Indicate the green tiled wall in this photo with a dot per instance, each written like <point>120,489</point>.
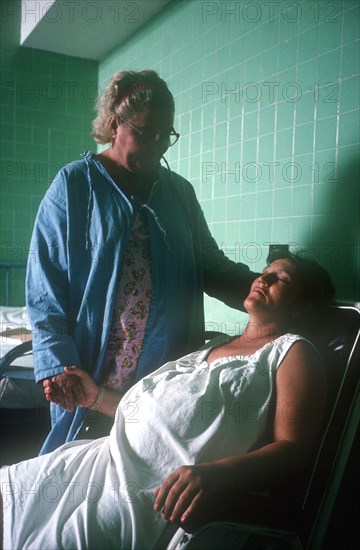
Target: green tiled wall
<point>267,97</point>
<point>46,110</point>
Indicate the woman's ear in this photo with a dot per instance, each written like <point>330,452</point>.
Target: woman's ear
<point>113,127</point>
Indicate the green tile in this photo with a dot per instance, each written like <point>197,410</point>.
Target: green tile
<point>329,14</point>
<point>308,45</point>
<point>288,24</point>
<point>329,67</point>
<point>304,136</point>
<point>40,136</point>
<point>235,125</point>
<point>269,63</point>
<point>287,53</point>
<point>305,108</point>
<point>195,143</point>
<point>249,151</point>
<point>351,24</point>
<point>234,154</point>
<point>232,234</point>
<point>324,198</point>
<point>266,148</point>
<point>308,75</point>
<point>184,146</point>
<point>300,231</point>
<point>282,202</point>
<point>7,132</point>
<point>270,37</point>
<point>23,134</point>
<point>330,36</point>
<point>284,144</point>
<point>6,114</point>
<point>302,200</point>
<point>252,68</point>
<point>350,59</point>
<point>264,204</point>
<point>248,206</point>
<point>348,163</point>
<point>72,139</point>
<point>247,231</point>
<point>267,120</point>
<point>347,200</point>
<point>350,94</point>
<point>6,202</point>
<point>349,128</point>
<point>327,100</point>
<point>233,209</point>
<point>285,115</point>
<point>184,125</point>
<point>326,133</point>
<point>281,230</point>
<point>219,210</point>
<point>251,125</point>
<point>221,134</point>
<point>262,238</point>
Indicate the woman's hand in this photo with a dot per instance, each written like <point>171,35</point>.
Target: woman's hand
<point>186,495</point>
<point>72,388</point>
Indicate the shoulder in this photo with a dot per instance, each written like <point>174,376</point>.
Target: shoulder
<point>72,171</point>
<point>294,344</point>
<point>300,361</point>
<point>73,177</point>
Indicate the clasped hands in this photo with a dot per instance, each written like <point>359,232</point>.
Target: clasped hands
<point>72,388</point>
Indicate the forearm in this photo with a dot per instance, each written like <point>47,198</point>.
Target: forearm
<point>259,470</point>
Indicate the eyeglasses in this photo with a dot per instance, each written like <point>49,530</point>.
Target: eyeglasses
<point>147,135</point>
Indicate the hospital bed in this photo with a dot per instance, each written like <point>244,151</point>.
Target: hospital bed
<point>298,515</point>
<point>295,516</point>
<point>24,411</point>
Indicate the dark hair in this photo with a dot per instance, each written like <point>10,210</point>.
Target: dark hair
<point>128,93</point>
<point>317,287</point>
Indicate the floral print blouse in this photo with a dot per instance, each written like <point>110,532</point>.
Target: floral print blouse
<point>131,310</point>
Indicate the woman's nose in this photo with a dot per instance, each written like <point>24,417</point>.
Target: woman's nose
<point>267,278</point>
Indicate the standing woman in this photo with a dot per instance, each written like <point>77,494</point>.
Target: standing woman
<point>120,257</point>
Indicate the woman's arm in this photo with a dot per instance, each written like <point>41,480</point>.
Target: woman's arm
<point>188,493</point>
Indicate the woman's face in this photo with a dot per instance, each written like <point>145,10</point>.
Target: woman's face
<point>276,290</point>
<point>142,154</point>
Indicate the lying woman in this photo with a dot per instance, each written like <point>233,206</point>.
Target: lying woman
<point>241,415</point>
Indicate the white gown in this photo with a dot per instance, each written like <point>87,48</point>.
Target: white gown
<point>99,494</point>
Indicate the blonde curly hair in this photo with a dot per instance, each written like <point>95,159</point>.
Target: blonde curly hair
<point>128,93</point>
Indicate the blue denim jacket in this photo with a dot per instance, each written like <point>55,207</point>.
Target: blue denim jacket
<point>78,242</point>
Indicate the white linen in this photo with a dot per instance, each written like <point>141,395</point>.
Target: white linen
<point>98,494</point>
<point>14,330</point>
<point>13,318</point>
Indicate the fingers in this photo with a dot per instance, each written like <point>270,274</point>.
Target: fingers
<point>85,390</point>
<point>72,388</point>
<point>75,371</point>
<point>48,390</point>
<point>62,386</point>
<point>162,492</point>
<point>181,503</point>
<point>179,495</point>
<point>191,508</point>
